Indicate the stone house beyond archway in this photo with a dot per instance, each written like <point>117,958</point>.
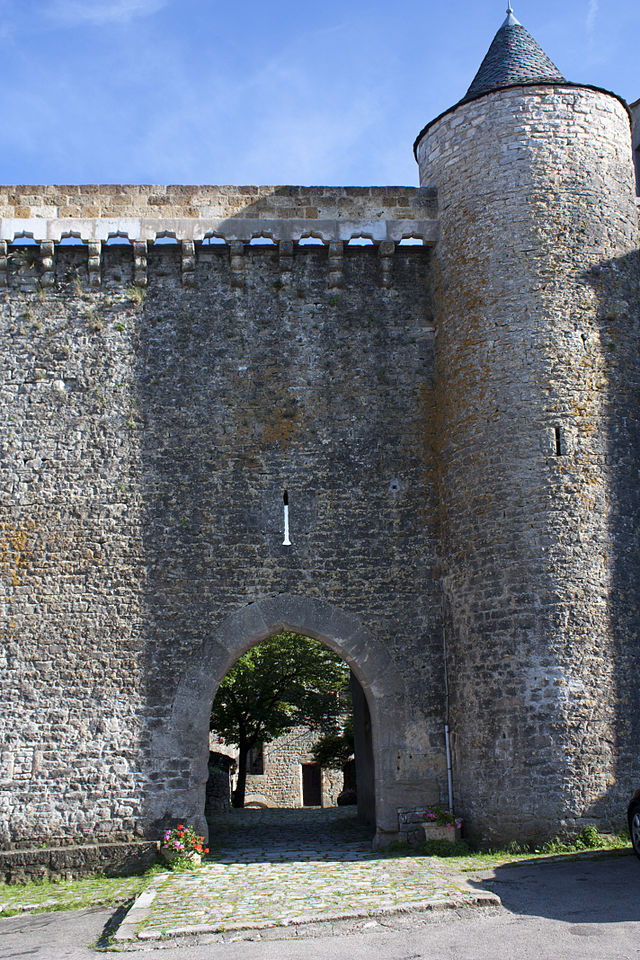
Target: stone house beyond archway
<point>187,735</point>
<point>281,773</point>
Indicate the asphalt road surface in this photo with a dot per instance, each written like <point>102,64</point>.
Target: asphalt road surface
<point>586,909</point>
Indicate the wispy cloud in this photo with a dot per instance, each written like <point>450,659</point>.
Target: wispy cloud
<point>592,13</point>
<point>109,11</point>
<point>6,19</point>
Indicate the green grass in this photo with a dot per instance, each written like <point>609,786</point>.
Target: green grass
<point>462,857</point>
<point>48,895</point>
<point>44,896</point>
<point>588,841</point>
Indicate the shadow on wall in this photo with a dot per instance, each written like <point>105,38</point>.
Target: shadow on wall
<point>635,134</point>
<point>616,286</point>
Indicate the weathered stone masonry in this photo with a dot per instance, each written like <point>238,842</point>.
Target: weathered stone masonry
<point>536,290</point>
<point>455,423</point>
<point>150,441</point>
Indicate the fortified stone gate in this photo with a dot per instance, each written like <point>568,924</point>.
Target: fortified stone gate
<point>454,425</point>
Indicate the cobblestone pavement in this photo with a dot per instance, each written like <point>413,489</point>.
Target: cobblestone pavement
<point>278,869</point>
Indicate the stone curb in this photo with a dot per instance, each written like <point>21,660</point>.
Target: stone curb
<point>129,934</point>
<point>139,911</point>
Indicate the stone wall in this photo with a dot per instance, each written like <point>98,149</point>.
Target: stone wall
<point>537,453</point>
<point>55,863</point>
<point>147,438</point>
<point>410,828</point>
<point>455,427</point>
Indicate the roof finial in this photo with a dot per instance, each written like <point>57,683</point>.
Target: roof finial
<point>511,19</point>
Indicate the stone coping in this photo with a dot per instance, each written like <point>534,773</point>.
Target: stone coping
<point>217,202</point>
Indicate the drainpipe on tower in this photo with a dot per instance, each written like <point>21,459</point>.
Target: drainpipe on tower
<point>446,698</point>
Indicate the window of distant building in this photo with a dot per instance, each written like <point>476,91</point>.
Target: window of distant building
<point>255,760</point>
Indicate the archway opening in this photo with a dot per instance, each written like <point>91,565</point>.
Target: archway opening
<point>290,729</point>
<point>183,739</point>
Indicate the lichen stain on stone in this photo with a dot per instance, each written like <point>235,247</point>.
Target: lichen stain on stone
<point>17,549</point>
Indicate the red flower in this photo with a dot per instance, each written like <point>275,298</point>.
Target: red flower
<point>206,849</point>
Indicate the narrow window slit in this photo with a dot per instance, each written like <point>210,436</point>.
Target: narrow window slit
<point>558,439</point>
<point>285,499</point>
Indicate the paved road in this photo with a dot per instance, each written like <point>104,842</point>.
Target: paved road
<point>583,910</point>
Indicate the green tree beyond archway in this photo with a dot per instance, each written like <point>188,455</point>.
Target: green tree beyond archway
<point>286,681</point>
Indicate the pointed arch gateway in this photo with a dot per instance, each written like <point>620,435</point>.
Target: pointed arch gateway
<point>342,632</point>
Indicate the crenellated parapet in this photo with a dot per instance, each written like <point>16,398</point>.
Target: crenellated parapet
<point>285,216</point>
<point>236,216</point>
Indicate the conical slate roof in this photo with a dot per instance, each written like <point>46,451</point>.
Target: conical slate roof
<point>513,57</point>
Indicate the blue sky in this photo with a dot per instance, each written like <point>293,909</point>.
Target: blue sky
<point>204,91</point>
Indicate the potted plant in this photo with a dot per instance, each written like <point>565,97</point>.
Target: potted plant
<point>182,844</point>
<point>441,824</point>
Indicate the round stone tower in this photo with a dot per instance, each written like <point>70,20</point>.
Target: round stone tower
<point>536,293</point>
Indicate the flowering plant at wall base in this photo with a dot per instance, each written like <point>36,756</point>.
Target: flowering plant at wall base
<point>440,817</point>
<point>182,843</point>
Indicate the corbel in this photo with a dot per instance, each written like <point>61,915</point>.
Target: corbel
<point>336,262</point>
<point>140,263</point>
<point>386,250</point>
<point>188,263</point>
<point>285,258</point>
<point>236,260</point>
<point>47,250</point>
<point>94,262</point>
